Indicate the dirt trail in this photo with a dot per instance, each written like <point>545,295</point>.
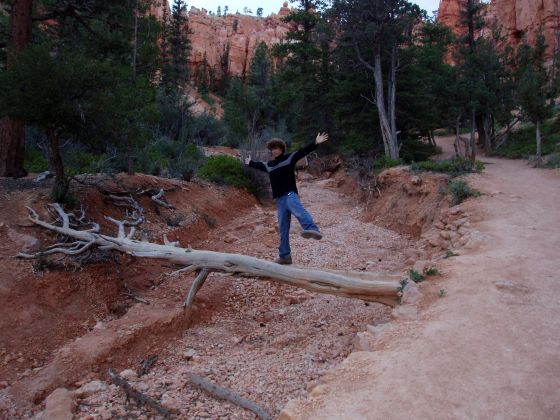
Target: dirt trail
<point>489,348</point>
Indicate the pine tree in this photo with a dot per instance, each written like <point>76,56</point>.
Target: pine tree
<point>535,87</point>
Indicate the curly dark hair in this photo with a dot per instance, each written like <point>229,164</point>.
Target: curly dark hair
<point>276,144</point>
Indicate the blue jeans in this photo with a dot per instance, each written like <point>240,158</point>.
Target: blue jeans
<point>287,205</point>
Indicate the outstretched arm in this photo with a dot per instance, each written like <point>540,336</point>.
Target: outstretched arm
<point>304,151</point>
<point>257,165</point>
<point>321,138</point>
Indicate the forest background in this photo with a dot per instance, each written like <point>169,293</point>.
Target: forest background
<point>93,86</point>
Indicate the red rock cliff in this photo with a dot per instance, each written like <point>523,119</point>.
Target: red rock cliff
<point>212,35</point>
<point>517,18</point>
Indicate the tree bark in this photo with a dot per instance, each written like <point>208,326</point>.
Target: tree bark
<point>539,142</point>
<point>381,110</point>
<point>374,287</point>
<point>57,164</point>
<point>12,131</point>
<point>473,140</point>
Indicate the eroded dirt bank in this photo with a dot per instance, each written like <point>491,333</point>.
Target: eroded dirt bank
<point>266,341</point>
<point>489,348</point>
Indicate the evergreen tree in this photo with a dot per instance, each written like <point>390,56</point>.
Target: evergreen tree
<point>535,87</point>
<point>303,72</point>
<point>375,31</point>
<point>177,73</point>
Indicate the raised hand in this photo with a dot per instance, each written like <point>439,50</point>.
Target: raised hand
<point>321,138</point>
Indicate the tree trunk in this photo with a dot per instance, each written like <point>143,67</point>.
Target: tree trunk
<point>57,165</point>
<point>473,140</point>
<point>479,118</point>
<point>457,143</point>
<point>391,103</point>
<point>375,287</point>
<point>12,131</point>
<point>487,120</point>
<point>386,134</point>
<point>539,143</point>
<point>12,148</point>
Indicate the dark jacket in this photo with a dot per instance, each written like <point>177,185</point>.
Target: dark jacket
<point>281,170</point>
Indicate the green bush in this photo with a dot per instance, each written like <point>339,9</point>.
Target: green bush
<point>384,162</point>
<point>35,161</point>
<point>553,160</point>
<point>455,166</point>
<point>165,157</point>
<point>522,144</point>
<point>416,150</point>
<point>459,191</point>
<point>224,169</point>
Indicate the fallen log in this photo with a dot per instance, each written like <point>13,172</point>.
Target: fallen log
<point>373,287</point>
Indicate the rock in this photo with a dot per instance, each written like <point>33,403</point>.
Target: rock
<point>171,403</point>
<point>289,411</point>
<point>445,235</point>
<point>363,341</point>
<point>411,294</point>
<point>189,353</point>
<point>129,375</point>
<point>59,405</point>
<point>90,388</point>
<point>515,17</point>
<point>439,225</point>
<point>4,384</point>
<point>416,180</point>
<point>422,265</point>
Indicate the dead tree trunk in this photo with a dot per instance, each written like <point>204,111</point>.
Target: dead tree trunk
<point>361,285</point>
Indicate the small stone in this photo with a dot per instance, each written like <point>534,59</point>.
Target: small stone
<point>129,374</point>
<point>189,354</point>
<point>90,388</point>
<point>439,225</point>
<point>445,235</point>
<point>4,384</point>
<point>411,293</point>
<point>416,180</point>
<point>59,405</point>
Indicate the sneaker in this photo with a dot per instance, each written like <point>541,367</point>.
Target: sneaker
<point>284,260</point>
<point>315,234</point>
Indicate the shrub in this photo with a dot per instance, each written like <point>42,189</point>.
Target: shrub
<point>224,169</point>
<point>35,161</point>
<point>522,144</point>
<point>416,150</point>
<point>170,158</point>
<point>455,166</point>
<point>415,276</point>
<point>384,162</point>
<point>460,191</point>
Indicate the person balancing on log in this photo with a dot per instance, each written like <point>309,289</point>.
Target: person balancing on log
<point>281,170</point>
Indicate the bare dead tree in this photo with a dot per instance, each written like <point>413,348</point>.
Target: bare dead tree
<point>375,287</point>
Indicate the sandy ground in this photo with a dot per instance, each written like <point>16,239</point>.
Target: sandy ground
<point>489,348</point>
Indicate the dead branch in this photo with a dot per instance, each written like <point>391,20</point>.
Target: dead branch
<point>228,395</point>
<point>197,284</point>
<point>157,198</point>
<point>146,365</point>
<point>140,398</point>
<point>369,286</point>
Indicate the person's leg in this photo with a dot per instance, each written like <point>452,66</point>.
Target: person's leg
<point>296,208</point>
<point>284,219</point>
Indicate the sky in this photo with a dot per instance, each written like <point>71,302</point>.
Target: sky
<point>273,6</point>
